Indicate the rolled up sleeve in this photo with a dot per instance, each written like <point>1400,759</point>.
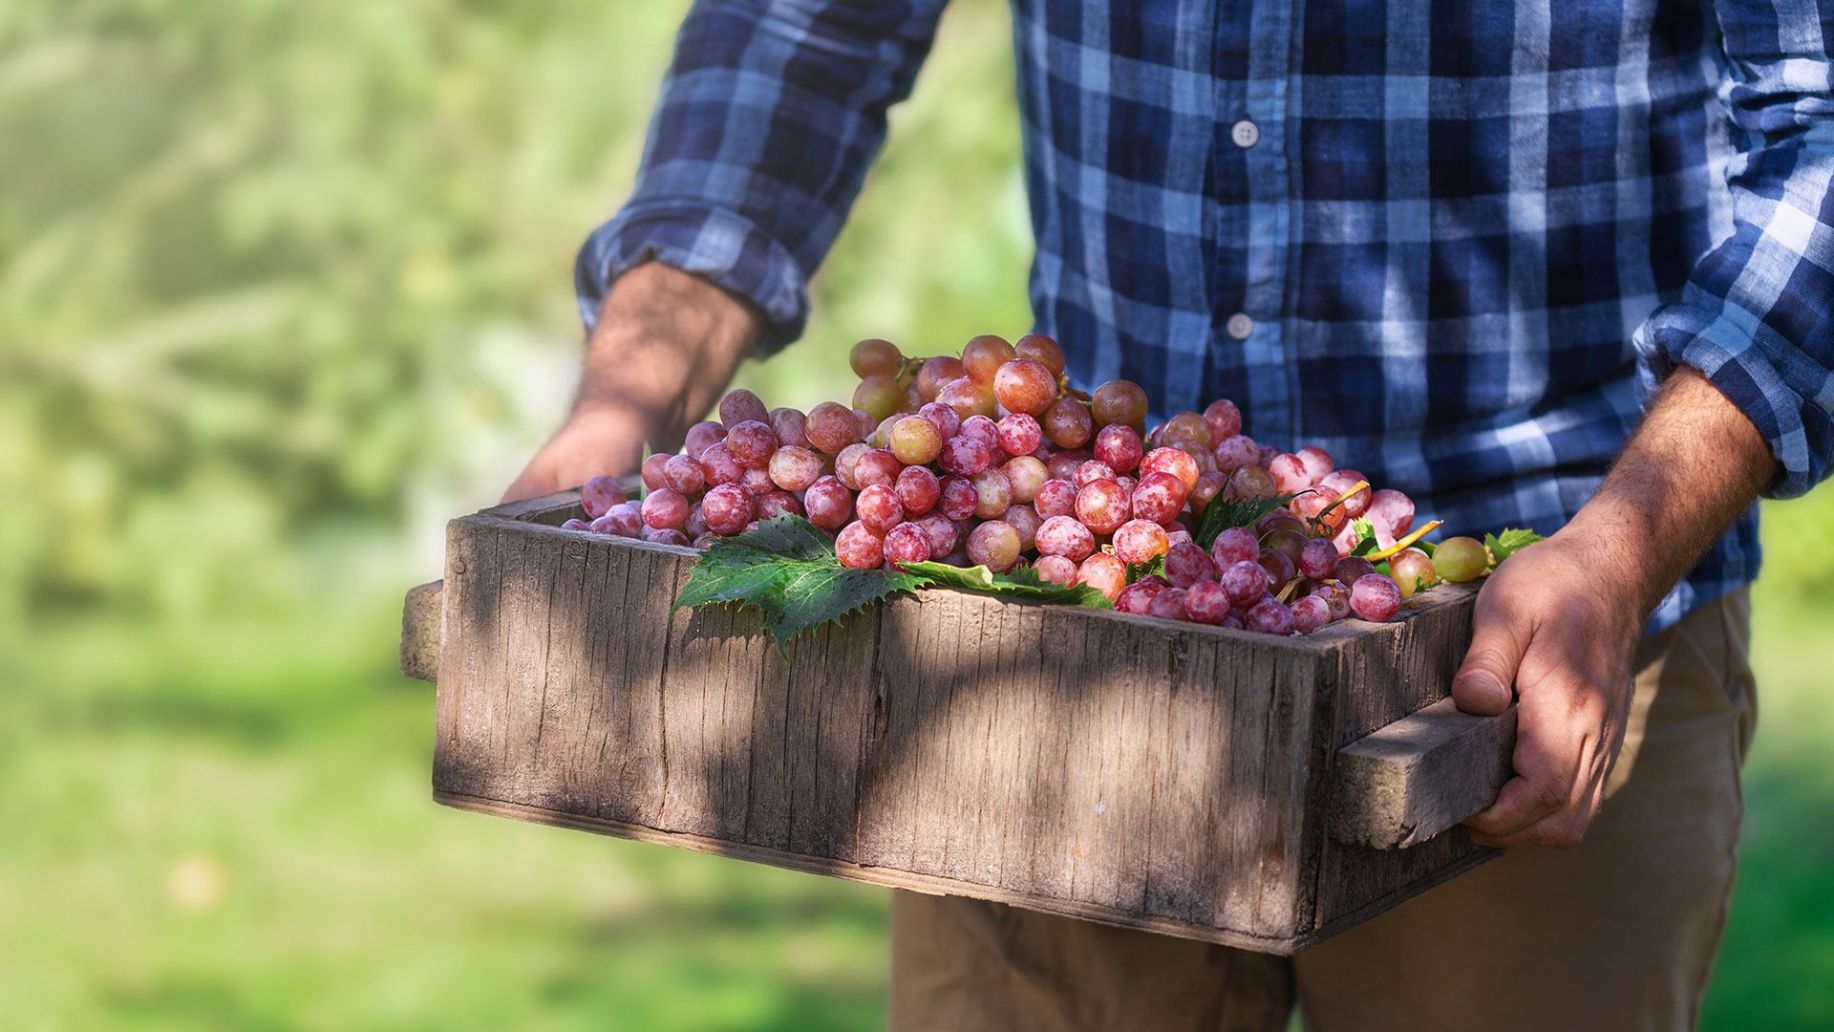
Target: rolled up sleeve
<point>771,113</point>
<point>1756,316</point>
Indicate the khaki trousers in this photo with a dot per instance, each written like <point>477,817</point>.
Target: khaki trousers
<point>1616,934</point>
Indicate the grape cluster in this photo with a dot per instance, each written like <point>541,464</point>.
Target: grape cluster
<point>990,459</point>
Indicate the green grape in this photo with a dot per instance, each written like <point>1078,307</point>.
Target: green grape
<point>1461,559</point>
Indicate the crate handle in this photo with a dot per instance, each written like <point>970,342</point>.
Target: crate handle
<point>1419,776</point>
<point>420,623</point>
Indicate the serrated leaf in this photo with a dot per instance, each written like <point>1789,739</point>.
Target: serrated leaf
<point>1152,568</point>
<point>1019,585</point>
<point>1509,542</point>
<point>1223,514</point>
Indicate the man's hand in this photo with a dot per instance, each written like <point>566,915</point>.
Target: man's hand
<point>1557,625</point>
<point>665,347</point>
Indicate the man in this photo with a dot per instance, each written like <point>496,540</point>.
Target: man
<point>1440,240</point>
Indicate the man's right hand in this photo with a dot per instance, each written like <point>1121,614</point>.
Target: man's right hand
<point>665,348</point>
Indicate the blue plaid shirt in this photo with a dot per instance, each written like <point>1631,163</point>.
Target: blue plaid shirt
<point>1452,242</point>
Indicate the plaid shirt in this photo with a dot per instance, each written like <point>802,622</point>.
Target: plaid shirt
<point>1454,243</point>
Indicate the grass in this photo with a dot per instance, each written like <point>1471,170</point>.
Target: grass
<point>229,827</point>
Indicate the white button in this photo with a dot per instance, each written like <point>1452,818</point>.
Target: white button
<point>1245,134</point>
<point>1240,326</point>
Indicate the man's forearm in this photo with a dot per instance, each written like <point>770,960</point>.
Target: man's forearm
<point>1691,468</point>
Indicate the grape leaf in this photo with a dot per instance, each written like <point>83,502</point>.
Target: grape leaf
<point>1223,514</point>
<point>1019,585</point>
<point>1365,537</point>
<point>1509,542</point>
<point>1151,568</point>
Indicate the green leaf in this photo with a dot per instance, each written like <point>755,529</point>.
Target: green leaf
<point>1223,514</point>
<point>1509,542</point>
<point>1154,567</point>
<point>1019,585</point>
<point>1365,537</point>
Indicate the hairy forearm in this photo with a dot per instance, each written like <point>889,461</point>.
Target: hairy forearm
<point>1691,468</point>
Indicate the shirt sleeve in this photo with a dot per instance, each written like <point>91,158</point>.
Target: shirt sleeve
<point>1756,316</point>
<point>769,116</point>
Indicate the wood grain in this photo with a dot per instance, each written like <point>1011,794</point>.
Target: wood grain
<point>1419,776</point>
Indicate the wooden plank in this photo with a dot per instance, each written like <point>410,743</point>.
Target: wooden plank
<point>420,624</point>
<point>1420,775</point>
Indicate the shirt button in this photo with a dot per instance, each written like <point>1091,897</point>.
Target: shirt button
<point>1240,326</point>
<point>1245,134</point>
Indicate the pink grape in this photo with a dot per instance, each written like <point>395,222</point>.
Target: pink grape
<point>1233,453</point>
<point>1223,419</point>
<point>1104,573</point>
<point>1290,474</point>
<point>959,499</point>
<point>1318,463</point>
<point>1020,434</point>
<point>1063,535</point>
<point>1235,545</point>
<point>701,436</point>
<point>915,440</point>
<point>794,468</point>
<point>865,421</point>
<point>1269,616</point>
<point>1159,497</point>
<point>907,543</point>
<point>1187,564</point>
<point>624,520</point>
<point>1289,543</point>
<point>666,536</point>
<point>1055,498</point>
<point>859,547</point>
<point>828,503</point>
<point>936,373</point>
<point>982,427</point>
<point>575,524</point>
<point>1091,471</point>
<point>751,443</point>
<point>1168,605</point>
<point>790,426</point>
<point>940,531</point>
<point>778,503</point>
<point>1250,482</point>
<point>1103,506</point>
<point>876,467</point>
<point>1336,598</point>
<point>665,509</point>
<point>1140,541</point>
<point>1055,569</point>
<point>696,524</point>
<point>1206,602</point>
<point>967,397</point>
<point>1138,597</point>
<point>599,494</point>
<point>878,507</point>
<point>741,406</point>
<point>1317,558</point>
<point>758,482</point>
<point>1025,386</point>
<point>1244,582</point>
<point>1026,475</point>
<point>847,464</point>
<point>1119,446</point>
<point>719,466</point>
<point>965,455</point>
<point>831,426</point>
<point>983,356</point>
<point>1375,598</point>
<point>1068,423</point>
<point>1391,511</point>
<point>942,417</point>
<point>1337,482</point>
<point>653,479</point>
<point>1310,613</point>
<point>727,509</point>
<point>1278,566</point>
<point>918,490</point>
<point>684,476</point>
<point>1175,461</point>
<point>1351,569</point>
<point>995,545</point>
<point>1268,454</point>
<point>993,494</point>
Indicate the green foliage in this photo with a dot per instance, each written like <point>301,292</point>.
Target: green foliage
<point>1224,513</point>
<point>1508,543</point>
<point>1018,585</point>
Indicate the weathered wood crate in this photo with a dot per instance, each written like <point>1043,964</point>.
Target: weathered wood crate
<point>1189,780</point>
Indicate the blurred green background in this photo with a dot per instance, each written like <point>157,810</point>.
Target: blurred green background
<point>282,287</point>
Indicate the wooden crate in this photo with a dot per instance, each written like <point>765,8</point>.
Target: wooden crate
<point>1189,780</point>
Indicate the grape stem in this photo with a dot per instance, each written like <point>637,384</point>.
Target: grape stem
<point>1398,547</point>
<point>1318,520</point>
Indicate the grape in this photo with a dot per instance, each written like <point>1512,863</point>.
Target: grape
<point>1312,506</point>
<point>940,530</point>
<point>653,480</point>
<point>1065,536</point>
<point>945,418</point>
<point>958,498</point>
<point>1119,446</point>
<point>704,541</point>
<point>1159,497</point>
<point>1336,598</point>
<point>665,509</point>
<point>701,436</point>
<point>1243,582</point>
<point>1189,431</point>
<point>576,524</point>
<point>1026,521</point>
<point>1375,598</point>
<point>757,482</point>
<point>718,466</point>
<point>1175,461</point>
<point>1102,506</point>
<point>1068,424</point>
<point>1412,571</point>
<point>1036,347</point>
<point>790,426</point>
<point>914,440</point>
<point>1250,482</point>
<point>1346,539</point>
<point>831,426</point>
<point>793,468</point>
<point>1235,545</point>
<point>918,490</point>
<point>867,424</point>
<point>1138,597</point>
<point>981,427</point>
<point>1119,401</point>
<point>936,373</point>
<point>828,502</point>
<point>1223,419</point>
<point>1351,569</point>
<point>876,466</point>
<point>1290,475</point>
<point>1104,573</point>
<point>1024,386</point>
<point>993,494</point>
<point>727,509</point>
<point>907,543</point>
<point>1318,463</point>
<point>1055,498</point>
<point>1233,453</point>
<point>1091,471</point>
<point>778,503</point>
<point>683,476</point>
<point>1278,567</point>
<point>1064,464</point>
<point>1310,613</point>
<point>983,356</point>
<point>1280,519</point>
<point>873,357</point>
<point>1020,434</point>
<point>1187,564</point>
<point>1026,475</point>
<point>965,455</point>
<point>1392,512</point>
<point>1206,602</point>
<point>1317,558</point>
<point>1140,541</point>
<point>1209,485</point>
<point>995,545</point>
<point>665,536</point>
<point>1168,605</point>
<point>696,524</point>
<point>1337,482</point>
<point>1269,616</point>
<point>879,508</point>
<point>881,436</point>
<point>624,521</point>
<point>742,406</point>
<point>847,464</point>
<point>967,397</point>
<point>879,396</point>
<point>1055,569</point>
<point>1268,454</point>
<point>1461,559</point>
<point>599,494</point>
<point>1289,543</point>
<point>751,443</point>
<point>859,547</point>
